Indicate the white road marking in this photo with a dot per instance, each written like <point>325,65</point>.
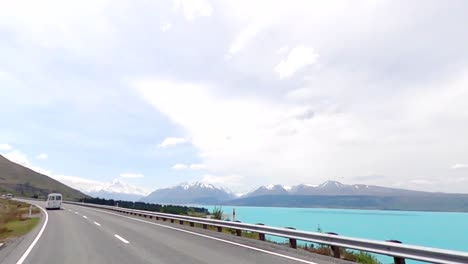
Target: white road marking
<point>96,223</point>
<point>213,238</point>
<point>70,210</point>
<point>121,239</point>
<point>85,217</point>
<point>26,253</point>
<point>76,212</point>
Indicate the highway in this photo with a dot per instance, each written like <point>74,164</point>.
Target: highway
<point>77,234</point>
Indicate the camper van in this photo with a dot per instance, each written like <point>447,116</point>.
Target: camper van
<point>54,201</point>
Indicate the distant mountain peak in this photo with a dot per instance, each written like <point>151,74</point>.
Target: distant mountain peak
<point>186,185</point>
<point>119,187</point>
<point>190,193</point>
<point>329,184</point>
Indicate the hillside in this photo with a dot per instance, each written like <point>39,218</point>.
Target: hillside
<point>21,181</point>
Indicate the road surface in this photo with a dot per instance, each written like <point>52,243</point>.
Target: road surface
<point>77,235</point>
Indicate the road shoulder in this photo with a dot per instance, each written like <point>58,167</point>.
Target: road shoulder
<point>14,248</point>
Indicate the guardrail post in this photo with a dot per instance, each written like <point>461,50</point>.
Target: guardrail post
<point>220,229</point>
<point>238,231</point>
<point>181,222</point>
<point>292,241</point>
<point>172,220</point>
<point>192,224</point>
<point>157,218</point>
<point>397,260</point>
<point>261,236</point>
<point>205,226</point>
<point>335,249</point>
<point>164,219</point>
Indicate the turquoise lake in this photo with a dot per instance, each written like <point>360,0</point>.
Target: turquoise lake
<point>432,229</point>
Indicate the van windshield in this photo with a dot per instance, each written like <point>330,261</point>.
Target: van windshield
<point>59,198</point>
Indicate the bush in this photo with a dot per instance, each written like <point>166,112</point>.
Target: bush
<point>218,213</point>
<point>366,258</point>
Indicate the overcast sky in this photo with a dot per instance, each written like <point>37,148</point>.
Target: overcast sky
<point>237,93</point>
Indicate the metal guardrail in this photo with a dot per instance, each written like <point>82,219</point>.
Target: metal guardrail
<point>392,248</point>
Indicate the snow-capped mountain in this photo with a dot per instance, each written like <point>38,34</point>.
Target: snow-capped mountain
<point>330,188</point>
<point>189,193</point>
<point>269,190</point>
<point>118,190</point>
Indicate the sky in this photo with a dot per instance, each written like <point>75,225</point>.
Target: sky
<point>236,93</point>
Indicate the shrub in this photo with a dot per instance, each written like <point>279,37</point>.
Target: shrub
<point>218,213</point>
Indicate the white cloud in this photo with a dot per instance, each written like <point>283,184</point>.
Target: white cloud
<point>166,26</point>
<point>231,181</point>
<point>246,35</point>
<point>179,166</point>
<point>283,50</point>
<point>298,58</point>
<point>422,181</point>
<point>197,166</point>
<point>5,147</point>
<point>42,156</point>
<point>130,175</point>
<point>459,166</point>
<point>17,157</point>
<point>194,8</point>
<point>172,141</point>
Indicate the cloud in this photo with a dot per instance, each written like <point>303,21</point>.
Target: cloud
<point>231,181</point>
<point>129,175</point>
<point>17,157</point>
<point>5,147</point>
<point>197,166</point>
<point>166,26</point>
<point>459,166</point>
<point>179,166</point>
<point>172,141</point>
<point>298,58</point>
<point>422,181</point>
<point>194,8</point>
<point>246,35</point>
<point>42,156</point>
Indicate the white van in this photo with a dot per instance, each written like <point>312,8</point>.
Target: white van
<point>54,201</point>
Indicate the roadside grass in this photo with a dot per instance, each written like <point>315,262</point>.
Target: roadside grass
<point>13,219</point>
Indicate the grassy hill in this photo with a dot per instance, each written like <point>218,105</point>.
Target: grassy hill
<point>24,182</point>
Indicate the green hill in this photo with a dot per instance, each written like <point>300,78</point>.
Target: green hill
<point>24,182</point>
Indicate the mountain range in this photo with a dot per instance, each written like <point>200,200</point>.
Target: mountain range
<point>330,194</point>
<point>189,193</point>
<point>332,188</point>
<point>21,181</point>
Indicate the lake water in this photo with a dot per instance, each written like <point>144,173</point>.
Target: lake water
<point>432,229</point>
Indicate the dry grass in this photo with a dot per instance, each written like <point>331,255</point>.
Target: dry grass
<point>13,219</point>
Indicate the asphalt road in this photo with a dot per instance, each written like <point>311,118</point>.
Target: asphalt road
<point>76,235</point>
